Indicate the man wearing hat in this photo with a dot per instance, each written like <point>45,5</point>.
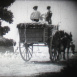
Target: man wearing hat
<point>35,15</point>
<point>49,15</point>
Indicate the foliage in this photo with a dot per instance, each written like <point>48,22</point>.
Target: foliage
<point>7,42</point>
<point>4,30</point>
<point>5,14</point>
<point>6,3</point>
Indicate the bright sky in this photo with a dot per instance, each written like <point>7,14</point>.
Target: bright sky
<point>64,13</point>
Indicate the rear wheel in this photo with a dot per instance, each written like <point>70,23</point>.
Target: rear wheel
<point>26,51</point>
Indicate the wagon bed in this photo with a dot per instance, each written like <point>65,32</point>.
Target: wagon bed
<point>34,32</point>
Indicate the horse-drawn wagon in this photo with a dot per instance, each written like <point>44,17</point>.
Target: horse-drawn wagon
<point>32,34</point>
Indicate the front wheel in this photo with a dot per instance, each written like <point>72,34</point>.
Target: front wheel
<point>53,55</point>
<point>52,51</point>
<point>26,51</point>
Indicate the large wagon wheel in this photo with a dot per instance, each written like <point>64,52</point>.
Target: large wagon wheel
<point>26,51</point>
<point>53,51</point>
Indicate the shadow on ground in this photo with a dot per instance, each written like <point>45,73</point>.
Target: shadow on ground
<point>69,70</point>
<point>63,63</point>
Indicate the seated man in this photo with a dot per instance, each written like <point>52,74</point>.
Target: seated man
<point>35,15</point>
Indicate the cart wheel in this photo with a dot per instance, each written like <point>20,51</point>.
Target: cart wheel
<point>52,51</point>
<point>54,55</point>
<point>26,51</point>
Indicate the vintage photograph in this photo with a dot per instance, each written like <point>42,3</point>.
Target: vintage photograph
<point>38,38</point>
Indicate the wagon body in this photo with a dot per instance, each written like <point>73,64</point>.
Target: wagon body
<point>34,33</point>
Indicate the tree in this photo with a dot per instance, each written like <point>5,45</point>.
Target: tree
<point>5,14</point>
<point>7,42</point>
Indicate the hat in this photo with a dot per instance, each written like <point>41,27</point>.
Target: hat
<point>35,7</point>
<point>48,7</point>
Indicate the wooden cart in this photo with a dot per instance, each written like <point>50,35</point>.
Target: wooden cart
<point>34,33</point>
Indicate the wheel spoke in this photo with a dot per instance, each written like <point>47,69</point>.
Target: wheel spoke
<point>26,55</point>
<point>30,53</point>
<point>23,53</point>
